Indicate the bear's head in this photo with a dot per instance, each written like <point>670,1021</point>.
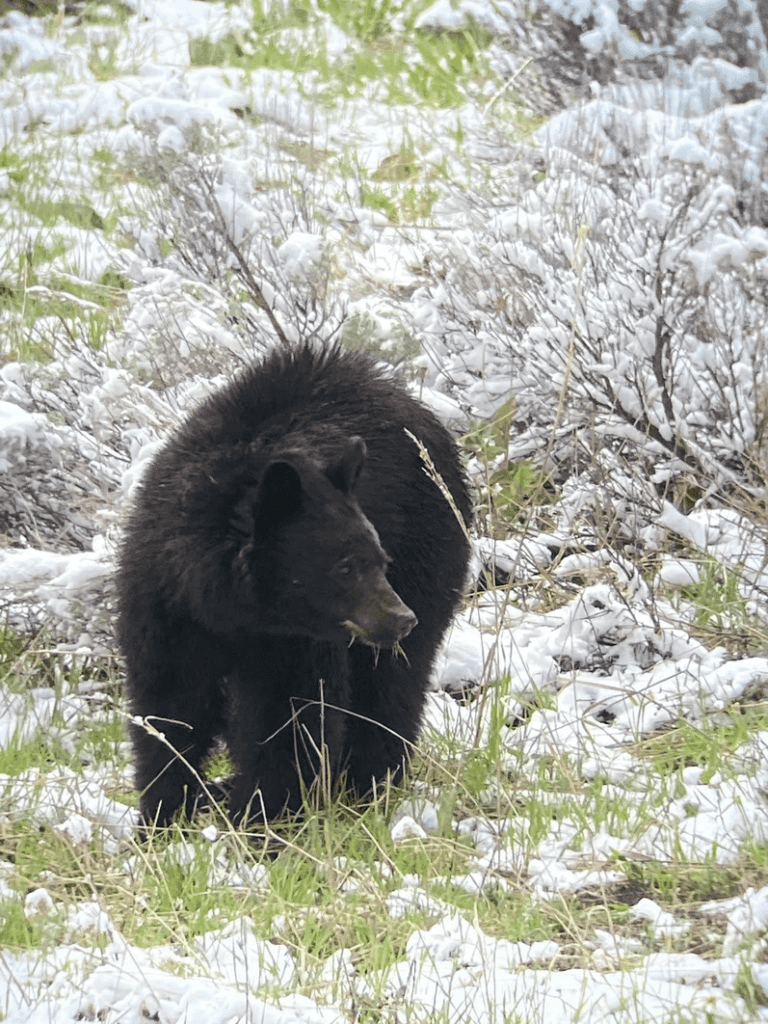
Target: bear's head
<point>311,558</point>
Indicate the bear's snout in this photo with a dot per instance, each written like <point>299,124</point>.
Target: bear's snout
<point>384,632</point>
<point>383,620</point>
<point>402,623</point>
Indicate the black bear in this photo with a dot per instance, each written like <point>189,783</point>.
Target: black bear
<point>285,534</point>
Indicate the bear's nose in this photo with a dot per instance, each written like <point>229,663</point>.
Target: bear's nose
<point>406,620</point>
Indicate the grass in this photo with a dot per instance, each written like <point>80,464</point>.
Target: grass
<point>45,298</point>
<point>322,883</point>
<point>707,743</point>
<point>47,302</point>
<point>327,887</point>
<point>406,67</point>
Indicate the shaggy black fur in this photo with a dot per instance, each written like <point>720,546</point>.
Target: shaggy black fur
<point>288,516</point>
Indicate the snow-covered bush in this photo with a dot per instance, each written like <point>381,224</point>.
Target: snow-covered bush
<point>620,305</point>
<point>262,251</point>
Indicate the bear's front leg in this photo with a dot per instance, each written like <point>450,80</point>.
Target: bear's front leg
<point>279,755</point>
<point>165,767</point>
<point>287,723</point>
<point>173,692</point>
<point>387,705</point>
<point>267,788</point>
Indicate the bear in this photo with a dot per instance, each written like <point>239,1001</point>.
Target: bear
<point>286,576</point>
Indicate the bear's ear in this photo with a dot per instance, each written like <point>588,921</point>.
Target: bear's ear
<point>276,498</point>
<point>344,473</point>
<point>279,494</point>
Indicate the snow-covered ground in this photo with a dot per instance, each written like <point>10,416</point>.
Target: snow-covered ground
<point>591,255</point>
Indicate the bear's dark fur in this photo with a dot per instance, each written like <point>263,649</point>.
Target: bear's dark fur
<point>284,535</point>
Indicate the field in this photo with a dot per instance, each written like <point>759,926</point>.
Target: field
<point>551,218</point>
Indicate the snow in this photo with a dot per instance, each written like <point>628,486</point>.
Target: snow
<point>514,284</point>
<point>17,429</point>
<point>38,903</point>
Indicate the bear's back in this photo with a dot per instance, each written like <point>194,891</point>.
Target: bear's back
<point>293,389</point>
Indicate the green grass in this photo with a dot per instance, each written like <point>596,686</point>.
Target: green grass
<point>512,489</point>
<point>26,668</point>
<point>17,932</point>
<point>416,65</point>
<point>717,595</point>
<point>710,743</point>
<point>326,877</point>
<point>43,307</point>
<point>42,300</point>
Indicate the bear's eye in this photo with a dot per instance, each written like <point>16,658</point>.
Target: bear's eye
<point>344,569</point>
